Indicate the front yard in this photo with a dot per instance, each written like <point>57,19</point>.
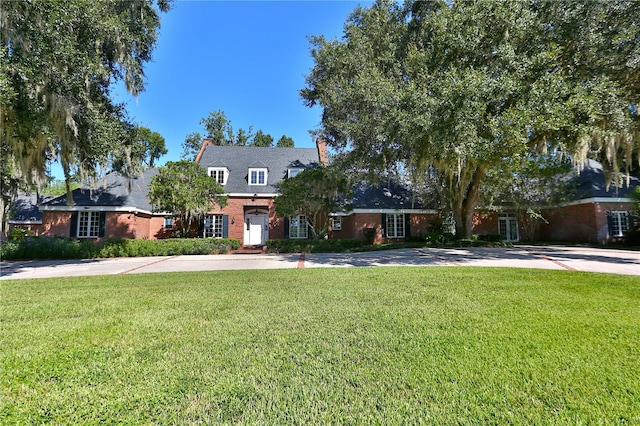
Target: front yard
<point>358,345</point>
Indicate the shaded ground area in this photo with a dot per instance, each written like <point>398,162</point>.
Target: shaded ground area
<point>548,257</point>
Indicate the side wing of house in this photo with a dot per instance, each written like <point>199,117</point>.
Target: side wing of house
<point>117,208</point>
<point>598,213</point>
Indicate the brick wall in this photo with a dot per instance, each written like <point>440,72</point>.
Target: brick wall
<point>580,223</point>
<point>132,225</point>
<point>56,223</point>
<point>570,223</point>
<point>485,223</point>
<point>236,208</point>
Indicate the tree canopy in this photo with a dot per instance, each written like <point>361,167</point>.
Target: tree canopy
<point>455,88</point>
<point>285,142</point>
<point>184,189</point>
<point>218,127</point>
<point>58,63</point>
<point>314,193</point>
<point>262,139</point>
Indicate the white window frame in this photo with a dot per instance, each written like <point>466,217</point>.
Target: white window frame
<point>298,228</point>
<point>505,220</point>
<point>168,223</point>
<point>395,225</point>
<point>213,226</point>
<point>220,174</point>
<point>620,222</point>
<point>256,173</point>
<point>336,223</point>
<point>292,172</point>
<point>449,224</point>
<point>88,224</point>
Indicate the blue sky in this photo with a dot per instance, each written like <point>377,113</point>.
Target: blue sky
<point>248,59</point>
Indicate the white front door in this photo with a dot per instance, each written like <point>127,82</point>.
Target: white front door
<point>256,227</point>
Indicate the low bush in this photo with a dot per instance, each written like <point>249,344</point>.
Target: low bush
<point>68,248</point>
<point>492,238</point>
<point>313,246</point>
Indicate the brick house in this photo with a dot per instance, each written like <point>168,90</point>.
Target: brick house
<point>250,177</point>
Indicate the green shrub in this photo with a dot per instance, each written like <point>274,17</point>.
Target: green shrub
<point>492,238</point>
<point>68,248</point>
<point>17,233</point>
<point>313,246</point>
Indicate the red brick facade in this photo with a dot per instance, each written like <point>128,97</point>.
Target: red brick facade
<point>354,226</point>
<point>236,209</point>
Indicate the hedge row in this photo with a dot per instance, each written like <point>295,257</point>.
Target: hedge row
<point>313,246</point>
<point>68,248</point>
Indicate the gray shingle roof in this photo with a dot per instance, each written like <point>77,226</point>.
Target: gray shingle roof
<point>25,209</point>
<point>591,182</point>
<point>113,191</point>
<point>387,195</point>
<point>239,159</point>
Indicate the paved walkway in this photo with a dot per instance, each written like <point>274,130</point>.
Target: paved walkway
<point>548,257</point>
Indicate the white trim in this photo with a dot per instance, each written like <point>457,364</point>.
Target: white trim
<point>24,222</point>
<point>597,200</point>
<point>398,232</point>
<point>257,170</point>
<point>296,170</point>
<point>119,209</point>
<point>250,195</point>
<point>302,224</point>
<point>225,171</point>
<point>333,223</point>
<point>91,220</point>
<point>385,211</point>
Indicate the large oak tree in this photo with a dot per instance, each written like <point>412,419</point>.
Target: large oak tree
<point>455,88</point>
<point>58,64</point>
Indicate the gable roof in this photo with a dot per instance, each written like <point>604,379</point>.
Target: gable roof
<point>113,193</point>
<point>592,183</point>
<point>239,159</point>
<point>24,209</point>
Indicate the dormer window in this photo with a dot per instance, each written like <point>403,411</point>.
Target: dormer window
<point>220,174</point>
<point>294,171</point>
<point>258,176</point>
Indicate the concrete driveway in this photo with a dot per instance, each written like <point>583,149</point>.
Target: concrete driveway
<point>553,257</point>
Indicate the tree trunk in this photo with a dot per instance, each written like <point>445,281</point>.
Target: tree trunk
<point>4,218</point>
<point>465,199</point>
<point>67,183</point>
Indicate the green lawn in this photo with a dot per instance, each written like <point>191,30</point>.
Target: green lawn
<point>358,345</point>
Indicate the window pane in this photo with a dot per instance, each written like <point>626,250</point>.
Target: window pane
<point>257,176</point>
<point>297,227</point>
<point>395,225</point>
<point>83,224</point>
<point>88,224</point>
<point>619,223</point>
<point>213,226</point>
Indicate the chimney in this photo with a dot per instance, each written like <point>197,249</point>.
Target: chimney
<point>321,144</point>
<point>207,141</point>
